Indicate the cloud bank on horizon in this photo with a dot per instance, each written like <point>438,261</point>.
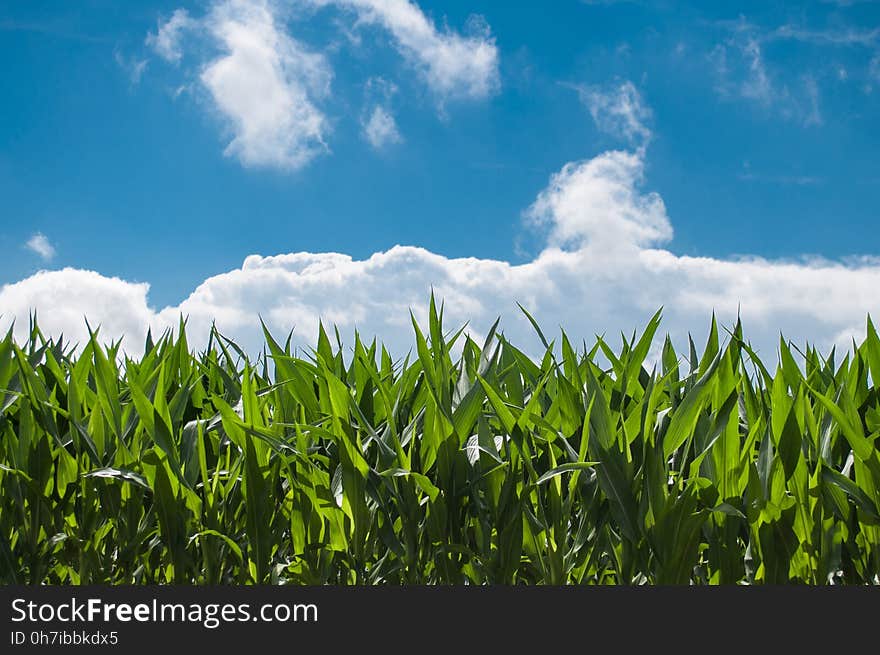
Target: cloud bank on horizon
<point>602,269</point>
<point>604,264</point>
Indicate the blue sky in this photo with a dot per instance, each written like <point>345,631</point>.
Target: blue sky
<point>120,154</point>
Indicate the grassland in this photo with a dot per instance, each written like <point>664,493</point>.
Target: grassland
<point>341,465</point>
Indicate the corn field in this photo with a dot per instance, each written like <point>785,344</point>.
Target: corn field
<point>463,463</point>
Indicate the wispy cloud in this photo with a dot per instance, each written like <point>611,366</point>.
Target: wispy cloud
<point>757,85</point>
<point>796,180</point>
<point>166,41</point>
<point>380,129</point>
<point>618,110</point>
<point>846,3</point>
<point>39,243</point>
<point>839,37</point>
<point>133,67</point>
<point>57,28</point>
<point>748,174</point>
<point>741,71</point>
<point>812,113</point>
<point>608,3</point>
<point>874,69</point>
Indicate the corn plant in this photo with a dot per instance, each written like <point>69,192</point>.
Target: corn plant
<point>462,463</point>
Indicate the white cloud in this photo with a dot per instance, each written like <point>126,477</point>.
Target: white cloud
<point>619,111</point>
<point>264,85</point>
<point>133,67</point>
<point>757,85</point>
<point>380,129</point>
<point>63,298</point>
<point>40,244</point>
<point>166,41</point>
<point>268,88</point>
<point>741,70</point>
<point>610,275</point>
<point>842,37</point>
<point>796,180</point>
<point>453,65</point>
<point>812,114</point>
<point>598,203</point>
<point>847,3</point>
<point>608,3</point>
<point>378,125</point>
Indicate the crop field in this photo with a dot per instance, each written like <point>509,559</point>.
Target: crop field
<point>463,463</point>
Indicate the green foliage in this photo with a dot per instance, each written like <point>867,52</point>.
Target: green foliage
<point>344,466</point>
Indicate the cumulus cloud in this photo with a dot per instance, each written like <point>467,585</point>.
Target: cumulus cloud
<point>63,299</point>
<point>453,65</point>
<point>618,110</point>
<point>602,270</point>
<point>264,85</point>
<point>598,203</point>
<point>268,88</point>
<point>40,244</point>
